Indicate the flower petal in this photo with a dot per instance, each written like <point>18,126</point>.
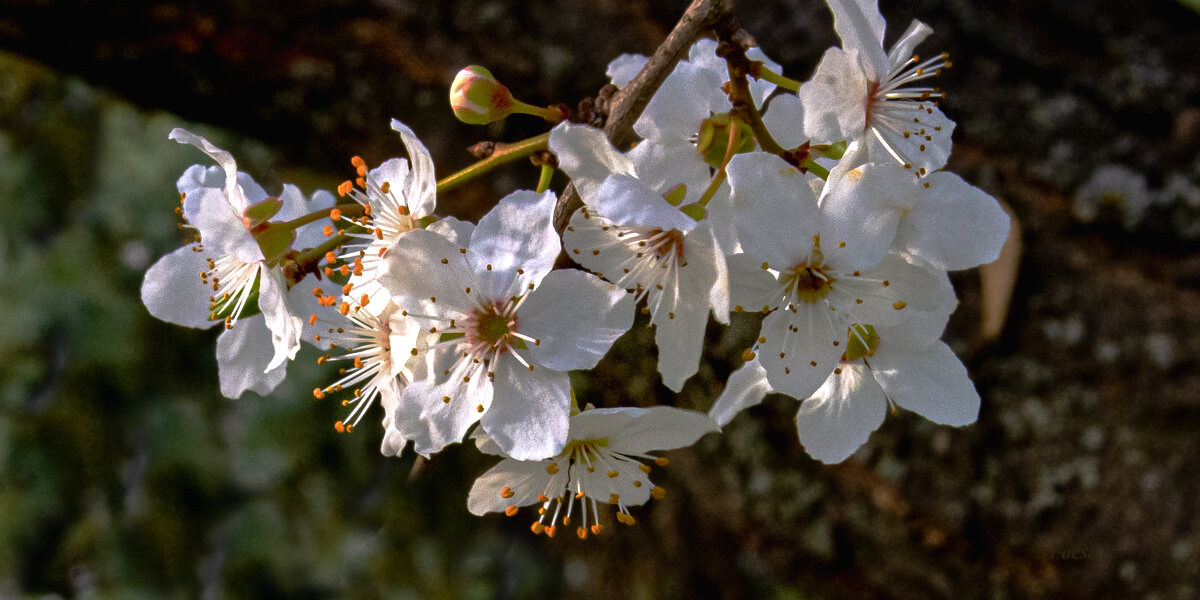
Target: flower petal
<point>576,317</point>
<point>802,347</point>
<point>624,68</point>
<point>785,120</point>
<point>776,210</point>
<point>654,428</point>
<point>627,201</point>
<point>286,326</point>
<point>242,357</point>
<point>834,100</point>
<point>751,288</point>
<point>421,193</point>
<point>220,226</point>
<point>932,383</point>
<point>680,312</point>
<point>442,423</point>
<point>861,27</point>
<point>746,387</point>
<point>526,479</point>
<point>427,274</point>
<point>236,197</point>
<point>528,417</point>
<point>903,49</point>
<point>515,243</point>
<point>859,214</point>
<point>686,97</point>
<point>587,157</point>
<point>173,292</point>
<point>953,225</point>
<point>841,415</point>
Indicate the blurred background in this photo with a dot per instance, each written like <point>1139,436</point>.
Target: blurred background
<point>124,474</point>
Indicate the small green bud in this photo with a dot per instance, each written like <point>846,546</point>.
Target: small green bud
<point>274,240</point>
<point>258,213</point>
<point>863,341</point>
<point>676,194</point>
<point>478,98</point>
<point>695,211</point>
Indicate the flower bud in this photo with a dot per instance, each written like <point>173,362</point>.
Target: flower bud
<point>478,98</point>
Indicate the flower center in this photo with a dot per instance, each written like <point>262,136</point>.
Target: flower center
<point>808,284</point>
<point>667,242</point>
<point>491,327</point>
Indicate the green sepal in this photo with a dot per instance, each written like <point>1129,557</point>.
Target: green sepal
<point>863,341</point>
<point>260,212</point>
<point>713,139</point>
<point>695,211</point>
<point>274,240</point>
<point>426,221</point>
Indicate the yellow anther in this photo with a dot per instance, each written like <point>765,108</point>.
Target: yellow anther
<point>614,499</point>
<point>899,305</point>
<point>748,355</point>
<point>537,528</point>
<point>597,528</point>
<point>645,468</point>
<point>662,461</point>
<point>543,498</point>
<point>552,468</point>
<point>318,394</point>
<point>385,187</point>
<point>658,492</point>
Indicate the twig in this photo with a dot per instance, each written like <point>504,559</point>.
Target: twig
<point>628,103</point>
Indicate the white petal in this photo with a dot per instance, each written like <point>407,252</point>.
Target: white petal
<point>785,120</point>
<point>902,50</point>
<point>751,289</point>
<point>834,100</point>
<point>841,415</point>
<point>172,290</point>
<point>198,176</point>
<point>686,97</point>
<point>242,356</point>
<point>286,326</point>
<point>597,484</point>
<point>932,383</point>
<point>394,421</point>
<point>928,143</point>
<point>527,479</point>
<point>587,157</point>
<point>922,325</point>
<point>444,423</point>
<point>663,164</point>
<point>234,193</point>
<point>220,226</point>
<point>515,243</point>
<point>576,316</point>
<point>456,231</point>
<point>746,387</point>
<point>953,225</point>
<point>797,340</point>
<point>419,281</point>
<point>296,205</point>
<point>627,201</point>
<point>861,27</point>
<point>421,192</point>
<point>858,217</point>
<point>888,292</point>
<point>591,241</point>
<point>528,417</point>
<point>681,316</point>
<point>624,68</point>
<point>776,210</point>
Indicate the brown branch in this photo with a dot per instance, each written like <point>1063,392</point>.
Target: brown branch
<point>628,103</point>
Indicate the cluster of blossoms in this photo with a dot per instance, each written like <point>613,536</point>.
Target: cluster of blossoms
<point>821,205</point>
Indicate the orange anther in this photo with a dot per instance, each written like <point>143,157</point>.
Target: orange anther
<point>330,257</point>
<point>365,298</point>
<point>346,288</point>
<point>582,533</point>
<point>340,427</point>
<point>345,188</point>
<point>658,492</point>
<point>328,230</point>
<point>344,308</point>
<point>335,214</point>
<point>385,187</point>
<point>511,510</point>
<point>318,394</point>
<point>357,161</point>
<point>312,319</point>
<point>506,492</point>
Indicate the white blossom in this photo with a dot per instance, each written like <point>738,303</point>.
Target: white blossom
<point>510,327</point>
<point>602,463</point>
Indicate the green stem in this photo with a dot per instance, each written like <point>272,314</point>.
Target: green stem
<point>548,113</point>
<point>308,259</point>
<point>816,169</point>
<point>544,180</point>
<point>786,83</point>
<point>719,178</point>
<point>349,209</point>
<point>502,155</point>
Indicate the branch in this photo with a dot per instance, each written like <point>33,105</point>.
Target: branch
<point>628,103</point>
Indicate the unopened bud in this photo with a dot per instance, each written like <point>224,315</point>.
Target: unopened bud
<point>478,98</point>
<point>258,213</point>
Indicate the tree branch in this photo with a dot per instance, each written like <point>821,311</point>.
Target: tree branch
<point>628,103</point>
